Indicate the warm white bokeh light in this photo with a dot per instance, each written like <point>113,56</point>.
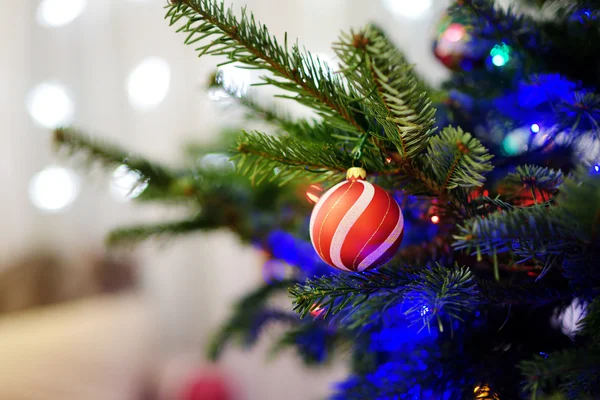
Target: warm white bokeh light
<point>59,12</point>
<point>408,8</point>
<point>50,105</point>
<point>53,189</point>
<point>148,83</point>
<point>127,184</point>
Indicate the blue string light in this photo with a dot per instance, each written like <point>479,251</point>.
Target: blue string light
<point>535,128</point>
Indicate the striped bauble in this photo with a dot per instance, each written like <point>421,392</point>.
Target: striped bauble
<point>356,225</point>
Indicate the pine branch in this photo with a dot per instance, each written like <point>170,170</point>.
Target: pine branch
<point>579,204</point>
<point>456,159</point>
<point>72,141</point>
<point>250,315</point>
<point>505,230</point>
<point>562,366</point>
<point>391,92</point>
<point>136,234</point>
<point>314,342</point>
<point>283,121</point>
<point>493,22</point>
<point>335,292</point>
<point>430,294</point>
<point>533,178</point>
<point>591,323</point>
<point>285,158</point>
<point>441,293</point>
<point>482,206</point>
<point>511,294</point>
<point>246,41</point>
<point>260,155</point>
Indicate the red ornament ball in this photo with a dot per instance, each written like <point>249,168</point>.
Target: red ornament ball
<point>356,225</point>
<point>206,387</point>
<point>456,48</point>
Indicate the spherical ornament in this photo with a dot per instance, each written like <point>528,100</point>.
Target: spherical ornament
<point>206,387</point>
<point>456,48</point>
<point>356,225</point>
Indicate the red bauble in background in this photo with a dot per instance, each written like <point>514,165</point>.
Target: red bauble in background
<point>205,386</point>
<point>456,48</point>
<point>356,225</point>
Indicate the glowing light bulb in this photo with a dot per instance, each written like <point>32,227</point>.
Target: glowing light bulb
<point>316,311</point>
<point>455,33</point>
<point>516,142</point>
<point>597,168</point>
<point>535,128</point>
<point>408,8</point>
<point>148,83</point>
<point>53,13</point>
<point>498,60</point>
<point>500,54</point>
<point>435,219</point>
<point>127,184</point>
<point>49,105</point>
<point>53,189</point>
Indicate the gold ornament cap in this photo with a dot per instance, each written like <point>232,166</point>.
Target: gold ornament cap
<point>356,173</point>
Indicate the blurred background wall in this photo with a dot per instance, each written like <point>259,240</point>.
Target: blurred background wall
<point>116,69</point>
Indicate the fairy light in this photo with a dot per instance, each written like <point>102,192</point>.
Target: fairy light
<point>535,128</point>
<point>53,189</point>
<point>516,142</point>
<point>455,33</point>
<point>54,13</point>
<point>408,8</point>
<point>500,54</point>
<point>317,311</point>
<point>50,105</point>
<point>435,219</point>
<point>149,83</point>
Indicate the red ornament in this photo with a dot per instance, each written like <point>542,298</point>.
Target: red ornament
<point>356,225</point>
<point>206,387</point>
<point>456,48</point>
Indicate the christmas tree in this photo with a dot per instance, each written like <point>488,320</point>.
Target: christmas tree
<point>488,184</point>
